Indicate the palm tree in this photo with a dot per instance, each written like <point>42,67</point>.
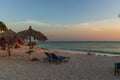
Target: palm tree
<point>3,27</point>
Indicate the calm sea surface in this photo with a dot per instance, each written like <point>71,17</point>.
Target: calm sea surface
<point>111,47</point>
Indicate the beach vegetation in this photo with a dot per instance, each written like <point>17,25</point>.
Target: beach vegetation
<point>3,27</point>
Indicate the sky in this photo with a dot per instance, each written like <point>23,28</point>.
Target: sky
<point>64,20</point>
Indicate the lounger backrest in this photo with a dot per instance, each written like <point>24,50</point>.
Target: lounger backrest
<point>117,65</point>
<point>54,56</point>
<point>49,55</point>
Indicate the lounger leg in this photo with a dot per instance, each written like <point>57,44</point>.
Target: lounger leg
<point>53,60</point>
<point>119,72</point>
<point>49,60</point>
<point>66,60</point>
<point>58,61</point>
<point>115,70</point>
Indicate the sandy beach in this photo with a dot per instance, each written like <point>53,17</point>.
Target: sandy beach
<point>80,67</point>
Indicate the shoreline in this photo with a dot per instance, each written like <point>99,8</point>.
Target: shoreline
<point>99,47</point>
<point>81,52</point>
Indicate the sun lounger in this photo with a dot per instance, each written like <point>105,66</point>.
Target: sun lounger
<point>59,58</point>
<point>117,69</point>
<point>49,56</point>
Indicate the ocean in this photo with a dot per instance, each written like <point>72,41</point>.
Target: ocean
<point>109,47</point>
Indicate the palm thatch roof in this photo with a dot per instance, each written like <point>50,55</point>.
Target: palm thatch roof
<point>8,35</point>
<point>32,33</point>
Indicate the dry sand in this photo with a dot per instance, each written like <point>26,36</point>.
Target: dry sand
<point>80,67</point>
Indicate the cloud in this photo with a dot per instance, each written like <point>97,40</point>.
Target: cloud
<point>22,25</point>
<point>108,29</point>
<point>97,29</point>
<point>31,22</point>
<point>92,30</point>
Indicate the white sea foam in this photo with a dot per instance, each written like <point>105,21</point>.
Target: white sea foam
<point>83,52</point>
<point>103,48</point>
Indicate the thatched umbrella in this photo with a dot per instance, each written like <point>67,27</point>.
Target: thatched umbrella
<point>31,33</point>
<point>9,36</point>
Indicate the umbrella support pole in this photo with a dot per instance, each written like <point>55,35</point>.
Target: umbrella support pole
<point>30,56</point>
<point>30,42</point>
<point>9,52</point>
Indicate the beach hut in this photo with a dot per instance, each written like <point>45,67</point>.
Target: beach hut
<point>27,34</point>
<point>9,37</point>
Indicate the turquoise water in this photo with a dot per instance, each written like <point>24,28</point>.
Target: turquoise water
<point>111,47</point>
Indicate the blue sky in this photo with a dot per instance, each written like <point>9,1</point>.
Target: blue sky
<point>57,15</point>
